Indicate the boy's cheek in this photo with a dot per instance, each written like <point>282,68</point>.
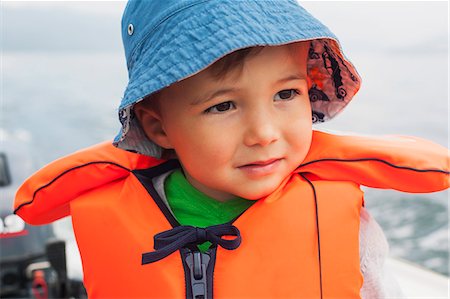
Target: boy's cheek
<point>303,143</point>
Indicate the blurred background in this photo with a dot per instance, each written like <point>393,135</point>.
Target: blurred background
<point>63,74</point>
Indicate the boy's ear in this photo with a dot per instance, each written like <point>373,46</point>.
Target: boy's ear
<point>152,124</point>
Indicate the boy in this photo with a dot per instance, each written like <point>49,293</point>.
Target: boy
<point>248,201</point>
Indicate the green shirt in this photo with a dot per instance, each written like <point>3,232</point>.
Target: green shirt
<point>192,207</point>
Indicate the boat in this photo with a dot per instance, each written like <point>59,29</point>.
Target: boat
<point>416,281</point>
<point>34,262</point>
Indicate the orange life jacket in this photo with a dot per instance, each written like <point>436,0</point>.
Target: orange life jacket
<point>299,242</point>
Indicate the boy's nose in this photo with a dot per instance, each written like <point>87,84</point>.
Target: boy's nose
<point>261,129</point>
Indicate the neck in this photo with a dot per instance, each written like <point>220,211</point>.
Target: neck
<point>214,194</point>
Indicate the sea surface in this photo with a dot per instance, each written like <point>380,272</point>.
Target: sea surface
<point>54,103</point>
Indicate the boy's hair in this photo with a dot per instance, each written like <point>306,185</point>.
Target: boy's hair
<point>232,61</point>
<point>219,69</point>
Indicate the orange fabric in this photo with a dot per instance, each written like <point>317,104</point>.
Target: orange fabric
<point>403,163</point>
<point>45,196</point>
<point>262,267</point>
<point>115,219</point>
<point>113,226</point>
<point>113,229</point>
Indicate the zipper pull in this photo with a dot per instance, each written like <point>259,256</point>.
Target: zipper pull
<point>198,263</point>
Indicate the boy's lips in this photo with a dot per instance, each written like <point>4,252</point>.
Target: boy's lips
<point>261,168</point>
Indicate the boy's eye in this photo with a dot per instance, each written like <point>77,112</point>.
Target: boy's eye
<point>284,95</point>
<point>220,108</point>
<point>287,94</point>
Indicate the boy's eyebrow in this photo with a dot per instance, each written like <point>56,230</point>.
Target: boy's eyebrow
<point>222,91</point>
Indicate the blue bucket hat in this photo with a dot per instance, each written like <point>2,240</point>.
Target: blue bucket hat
<point>168,41</point>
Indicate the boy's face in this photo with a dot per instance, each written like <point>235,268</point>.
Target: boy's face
<point>245,140</point>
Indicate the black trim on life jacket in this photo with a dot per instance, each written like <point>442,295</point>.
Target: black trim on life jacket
<point>62,174</point>
<point>318,232</point>
<point>145,177</point>
<point>373,159</point>
<point>212,251</point>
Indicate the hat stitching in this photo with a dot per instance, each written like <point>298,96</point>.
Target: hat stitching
<point>207,12</point>
<point>154,28</point>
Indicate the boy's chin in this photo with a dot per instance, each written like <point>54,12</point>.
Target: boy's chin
<point>258,194</point>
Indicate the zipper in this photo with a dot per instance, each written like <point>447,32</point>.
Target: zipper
<point>198,267</point>
<point>198,270</point>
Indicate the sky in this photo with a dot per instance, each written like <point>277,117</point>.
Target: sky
<point>94,25</point>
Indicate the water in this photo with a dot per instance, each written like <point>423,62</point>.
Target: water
<point>60,102</point>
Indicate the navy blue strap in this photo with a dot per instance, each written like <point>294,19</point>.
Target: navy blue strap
<point>172,240</point>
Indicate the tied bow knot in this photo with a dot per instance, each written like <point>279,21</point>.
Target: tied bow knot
<point>178,237</point>
<point>201,235</point>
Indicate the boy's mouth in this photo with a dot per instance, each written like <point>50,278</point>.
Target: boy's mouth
<point>262,163</point>
<point>261,168</point>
